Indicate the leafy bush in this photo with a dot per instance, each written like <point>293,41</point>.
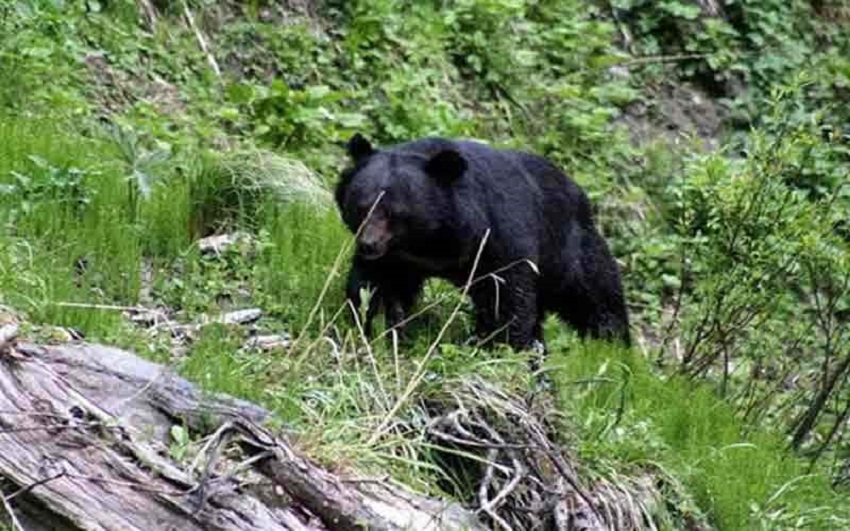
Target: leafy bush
<point>766,284</point>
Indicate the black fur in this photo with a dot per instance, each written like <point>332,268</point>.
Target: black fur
<point>440,198</point>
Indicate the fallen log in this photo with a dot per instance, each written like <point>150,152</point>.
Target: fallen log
<point>84,434</point>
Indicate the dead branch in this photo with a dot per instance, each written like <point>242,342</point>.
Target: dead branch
<point>148,13</point>
<point>526,481</point>
<point>202,42</point>
<point>99,457</point>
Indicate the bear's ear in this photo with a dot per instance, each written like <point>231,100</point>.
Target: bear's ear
<point>358,147</point>
<point>447,166</point>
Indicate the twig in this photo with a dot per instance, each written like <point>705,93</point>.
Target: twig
<point>519,474</point>
<point>396,362</point>
<point>483,501</point>
<point>381,479</point>
<point>246,464</point>
<point>519,470</point>
<point>31,486</point>
<point>649,59</point>
<point>92,306</point>
<point>370,354</point>
<point>322,336</point>
<point>149,13</point>
<point>677,305</point>
<point>490,506</point>
<point>563,468</point>
<point>334,347</point>
<point>468,438</point>
<point>214,438</point>
<point>484,340</point>
<point>219,439</point>
<point>201,41</point>
<point>14,519</point>
<point>481,444</point>
<point>446,296</point>
<point>232,473</point>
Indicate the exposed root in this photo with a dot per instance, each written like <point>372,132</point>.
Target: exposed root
<point>523,480</point>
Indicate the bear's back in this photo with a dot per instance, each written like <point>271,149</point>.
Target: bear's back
<point>505,168</point>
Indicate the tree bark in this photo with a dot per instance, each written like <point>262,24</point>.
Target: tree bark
<point>84,434</point>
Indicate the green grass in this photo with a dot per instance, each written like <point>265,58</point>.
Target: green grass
<point>297,244</point>
<point>629,418</point>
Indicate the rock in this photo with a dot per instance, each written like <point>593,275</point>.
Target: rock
<point>218,243</point>
<point>671,111</point>
<point>148,318</point>
<point>8,334</point>
<point>241,317</point>
<point>269,342</point>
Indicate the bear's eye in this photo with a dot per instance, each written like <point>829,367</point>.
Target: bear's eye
<point>365,210</point>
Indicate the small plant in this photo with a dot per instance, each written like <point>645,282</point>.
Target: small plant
<point>141,164</point>
<point>47,185</point>
<point>180,442</point>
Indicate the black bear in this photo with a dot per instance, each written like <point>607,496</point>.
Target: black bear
<point>421,210</point>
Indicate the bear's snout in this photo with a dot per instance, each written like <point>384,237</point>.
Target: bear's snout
<point>371,250</point>
<point>374,241</point>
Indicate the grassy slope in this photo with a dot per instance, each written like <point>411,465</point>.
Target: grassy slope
<point>742,477</point>
<point>625,418</point>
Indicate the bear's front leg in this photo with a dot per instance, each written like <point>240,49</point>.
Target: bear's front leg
<point>485,298</point>
<point>393,286</point>
<point>524,326</point>
<point>506,309</point>
<point>401,291</point>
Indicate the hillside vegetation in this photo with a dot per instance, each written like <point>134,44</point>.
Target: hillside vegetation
<point>713,138</point>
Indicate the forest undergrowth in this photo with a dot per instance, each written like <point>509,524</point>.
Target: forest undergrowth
<point>713,139</point>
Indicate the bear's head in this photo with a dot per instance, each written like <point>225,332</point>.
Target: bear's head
<point>397,200</point>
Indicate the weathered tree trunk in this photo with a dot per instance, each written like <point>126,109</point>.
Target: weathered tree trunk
<point>83,445</point>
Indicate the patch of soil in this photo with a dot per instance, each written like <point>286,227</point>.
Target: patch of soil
<point>115,90</point>
<point>671,110</point>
